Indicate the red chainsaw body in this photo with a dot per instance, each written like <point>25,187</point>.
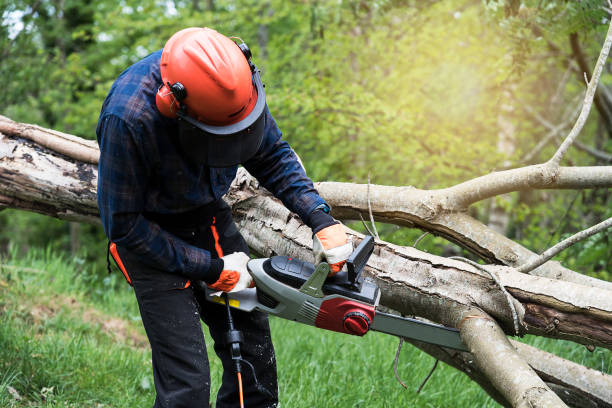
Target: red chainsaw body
<point>345,316</point>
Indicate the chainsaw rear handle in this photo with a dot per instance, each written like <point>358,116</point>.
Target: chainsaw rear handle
<point>359,258</point>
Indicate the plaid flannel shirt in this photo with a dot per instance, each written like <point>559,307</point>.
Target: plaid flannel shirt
<point>141,171</point>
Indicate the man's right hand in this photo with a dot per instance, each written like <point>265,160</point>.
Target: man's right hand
<point>235,276</point>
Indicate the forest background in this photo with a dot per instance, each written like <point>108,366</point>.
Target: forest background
<point>422,93</point>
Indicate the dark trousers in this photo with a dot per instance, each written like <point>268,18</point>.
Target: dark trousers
<point>171,308</point>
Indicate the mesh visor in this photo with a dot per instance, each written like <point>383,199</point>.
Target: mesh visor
<point>224,146</point>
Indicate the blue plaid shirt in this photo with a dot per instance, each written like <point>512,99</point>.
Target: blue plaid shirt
<point>141,171</point>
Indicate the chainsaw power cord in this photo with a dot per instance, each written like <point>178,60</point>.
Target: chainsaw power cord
<point>240,390</point>
<point>233,339</point>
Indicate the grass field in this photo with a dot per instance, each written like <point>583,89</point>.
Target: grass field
<point>63,344</point>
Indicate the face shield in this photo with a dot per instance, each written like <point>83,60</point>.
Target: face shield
<point>224,146</point>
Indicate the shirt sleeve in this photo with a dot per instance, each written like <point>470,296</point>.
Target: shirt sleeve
<point>277,168</point>
<point>123,171</point>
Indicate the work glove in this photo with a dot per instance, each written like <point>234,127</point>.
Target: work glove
<point>234,276</point>
<point>332,244</point>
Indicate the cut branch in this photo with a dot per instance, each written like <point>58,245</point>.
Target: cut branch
<point>432,287</point>
<point>576,385</point>
<point>24,168</point>
<point>54,184</point>
<point>502,365</point>
<point>541,176</point>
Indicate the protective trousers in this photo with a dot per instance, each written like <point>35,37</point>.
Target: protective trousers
<point>171,308</point>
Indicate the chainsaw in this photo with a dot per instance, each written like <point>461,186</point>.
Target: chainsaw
<point>346,302</point>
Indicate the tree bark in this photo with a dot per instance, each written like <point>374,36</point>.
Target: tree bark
<point>58,142</point>
<point>494,355</point>
<point>36,179</point>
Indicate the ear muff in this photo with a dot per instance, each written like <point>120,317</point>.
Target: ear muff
<point>166,102</point>
<point>179,91</point>
<point>168,98</point>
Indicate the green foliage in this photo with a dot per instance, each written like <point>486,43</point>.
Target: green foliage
<point>22,232</point>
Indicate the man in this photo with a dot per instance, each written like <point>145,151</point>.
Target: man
<point>172,131</point>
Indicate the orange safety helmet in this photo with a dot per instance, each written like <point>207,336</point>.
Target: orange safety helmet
<point>210,84</point>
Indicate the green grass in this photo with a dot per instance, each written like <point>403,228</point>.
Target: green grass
<point>69,341</point>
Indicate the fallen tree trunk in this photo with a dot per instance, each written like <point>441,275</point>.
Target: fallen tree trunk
<point>405,206</point>
<point>421,284</point>
<point>34,179</point>
<point>412,282</point>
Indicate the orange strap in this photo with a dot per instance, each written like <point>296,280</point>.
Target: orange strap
<point>113,250</point>
<point>115,254</point>
<point>215,233</point>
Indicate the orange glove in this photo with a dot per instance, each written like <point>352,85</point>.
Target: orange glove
<point>333,245</point>
<point>235,275</point>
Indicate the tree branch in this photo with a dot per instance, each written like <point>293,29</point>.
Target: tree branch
<point>69,145</point>
<point>503,366</point>
<point>566,243</point>
<point>588,101</point>
<point>597,154</point>
<point>432,287</point>
<point>576,385</point>
<point>408,206</point>
<point>540,176</point>
<point>602,100</point>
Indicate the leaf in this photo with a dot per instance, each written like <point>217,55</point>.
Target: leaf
<point>145,384</point>
<point>14,393</point>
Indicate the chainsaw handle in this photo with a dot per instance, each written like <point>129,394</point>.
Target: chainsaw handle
<point>359,258</point>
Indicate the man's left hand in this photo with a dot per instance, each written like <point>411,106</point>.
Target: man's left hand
<point>333,245</point>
